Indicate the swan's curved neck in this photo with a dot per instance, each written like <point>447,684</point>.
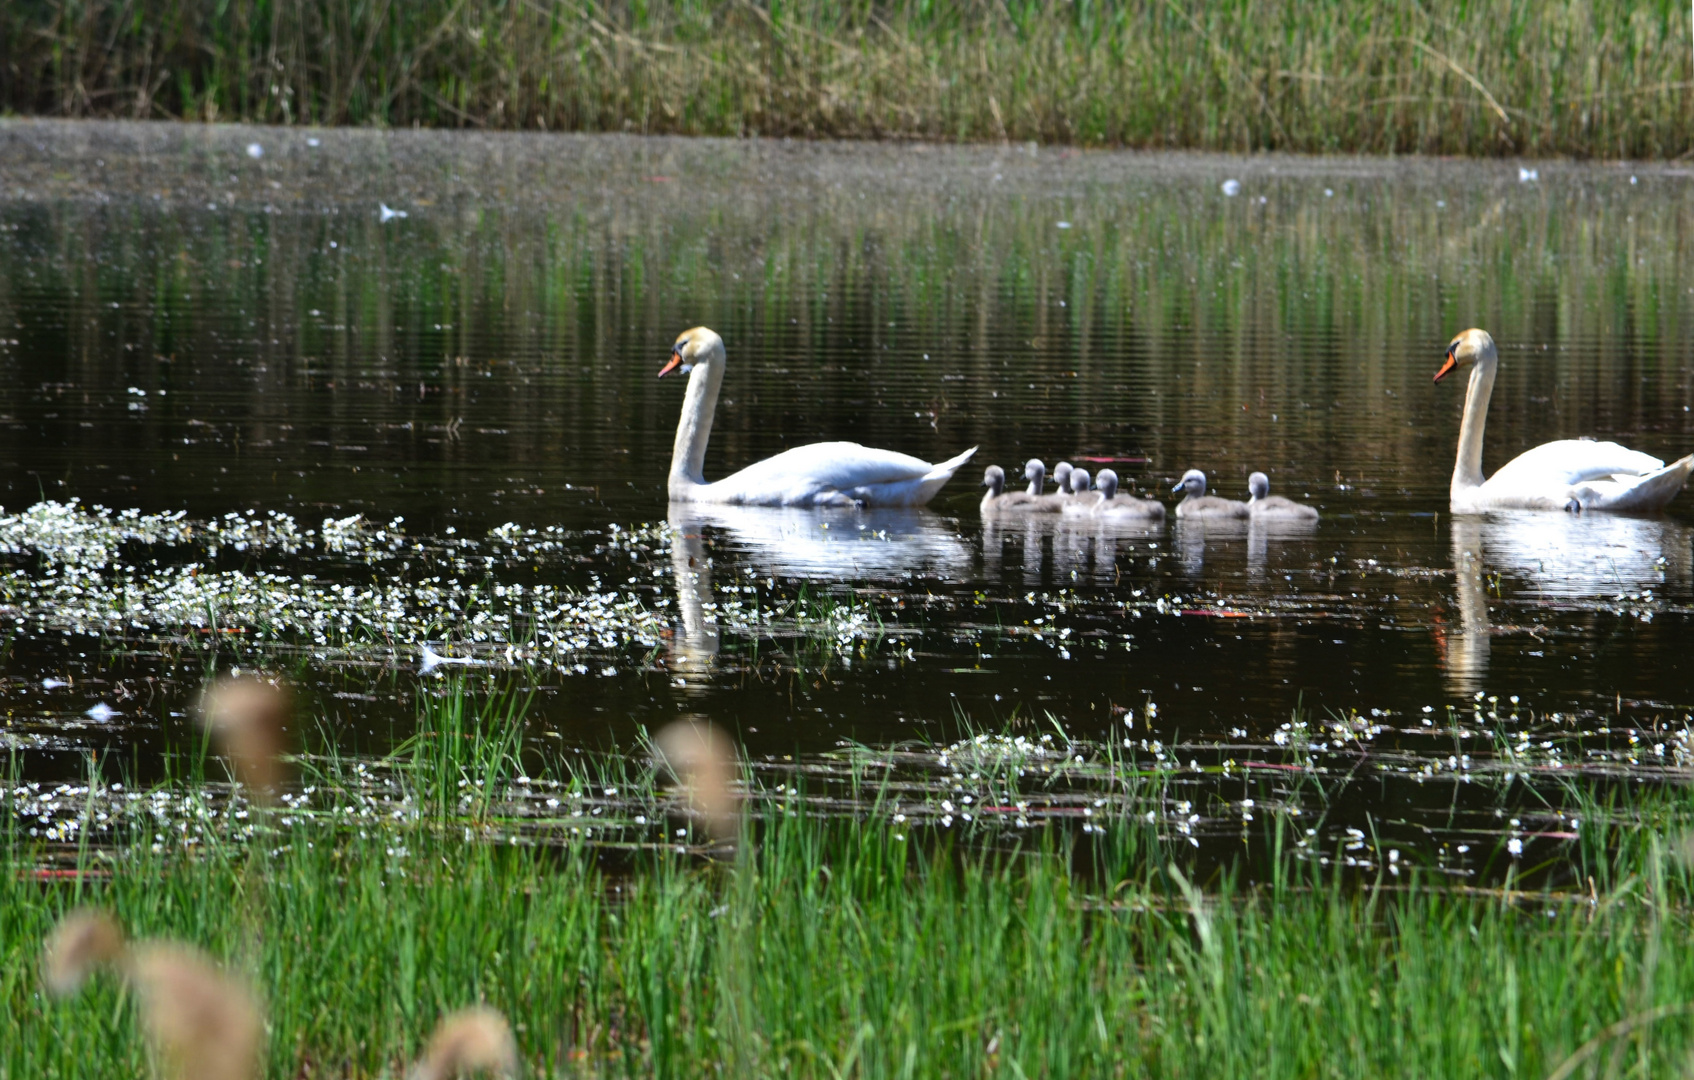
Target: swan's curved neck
<point>1467,469</point>
<point>694,429</point>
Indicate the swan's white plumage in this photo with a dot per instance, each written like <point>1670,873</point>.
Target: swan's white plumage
<point>1565,474</point>
<point>833,474</point>
<point>819,474</point>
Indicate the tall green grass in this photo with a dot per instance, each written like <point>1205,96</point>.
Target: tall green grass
<point>843,948</point>
<point>1444,77</point>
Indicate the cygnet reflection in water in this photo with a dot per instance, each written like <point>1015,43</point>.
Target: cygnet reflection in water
<point>1197,504</point>
<point>1263,506</point>
<point>1191,537</point>
<point>1541,556</point>
<point>1062,548</point>
<point>1260,533</point>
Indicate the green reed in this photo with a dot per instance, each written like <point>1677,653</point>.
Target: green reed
<point>1486,77</point>
<point>841,947</point>
<point>465,749</point>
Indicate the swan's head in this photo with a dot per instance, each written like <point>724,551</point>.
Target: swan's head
<point>994,479</point>
<point>1062,475</point>
<point>1107,482</point>
<point>1466,349</point>
<point>1080,481</point>
<point>1258,486</point>
<point>1192,484</point>
<point>696,346</point>
<point>1034,469</point>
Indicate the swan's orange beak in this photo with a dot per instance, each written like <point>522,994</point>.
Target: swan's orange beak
<point>675,361</point>
<point>1445,368</point>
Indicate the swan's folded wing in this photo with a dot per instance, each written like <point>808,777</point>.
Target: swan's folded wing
<point>806,473</point>
<point>1572,461</point>
<point>1639,494</point>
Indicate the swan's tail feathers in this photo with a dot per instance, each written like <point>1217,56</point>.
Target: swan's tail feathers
<point>944,471</point>
<point>1656,490</point>
<point>940,474</point>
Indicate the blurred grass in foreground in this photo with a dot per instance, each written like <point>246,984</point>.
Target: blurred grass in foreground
<point>1486,77</point>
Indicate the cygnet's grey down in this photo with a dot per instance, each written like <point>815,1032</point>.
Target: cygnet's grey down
<point>1036,473</point>
<point>997,500</point>
<point>1263,506</point>
<point>1029,500</point>
<point>1196,504</point>
<point>1083,499</point>
<point>1062,477</point>
<point>1127,507</point>
<point>997,497</point>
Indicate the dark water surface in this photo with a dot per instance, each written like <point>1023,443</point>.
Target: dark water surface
<point>185,327</point>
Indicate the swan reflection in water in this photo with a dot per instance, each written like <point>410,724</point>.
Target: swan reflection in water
<point>816,545</point>
<point>1081,547</point>
<point>696,645</point>
<point>1554,557</point>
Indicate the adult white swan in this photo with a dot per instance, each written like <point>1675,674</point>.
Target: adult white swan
<point>819,474</point>
<point>1570,474</point>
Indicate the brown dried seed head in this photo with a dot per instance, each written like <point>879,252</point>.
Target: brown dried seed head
<point>473,1040</point>
<point>83,941</point>
<point>706,764</point>
<point>248,718</point>
<point>202,1022</point>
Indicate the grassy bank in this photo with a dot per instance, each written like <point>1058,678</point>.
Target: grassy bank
<point>851,944</point>
<point>835,950</point>
<point>1488,77</point>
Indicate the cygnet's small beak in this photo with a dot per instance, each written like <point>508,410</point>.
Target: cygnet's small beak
<point>1451,363</point>
<point>1180,484</point>
<point>675,361</point>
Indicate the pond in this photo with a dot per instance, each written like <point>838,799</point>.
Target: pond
<point>352,401</point>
